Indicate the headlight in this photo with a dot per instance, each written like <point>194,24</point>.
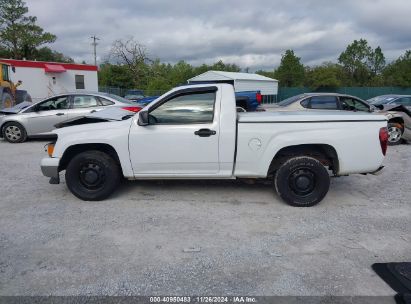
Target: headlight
<point>49,148</point>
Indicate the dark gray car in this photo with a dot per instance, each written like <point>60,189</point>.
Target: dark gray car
<point>38,120</point>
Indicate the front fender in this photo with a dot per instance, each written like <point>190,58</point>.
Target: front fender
<point>114,134</point>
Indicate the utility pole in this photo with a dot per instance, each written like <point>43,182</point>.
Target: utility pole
<point>94,44</point>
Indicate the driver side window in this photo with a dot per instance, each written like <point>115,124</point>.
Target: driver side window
<point>195,108</point>
<point>57,103</point>
<point>352,104</point>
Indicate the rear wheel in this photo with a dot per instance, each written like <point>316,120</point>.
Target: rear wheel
<point>6,100</point>
<point>395,131</point>
<point>14,132</point>
<point>302,181</point>
<point>92,175</point>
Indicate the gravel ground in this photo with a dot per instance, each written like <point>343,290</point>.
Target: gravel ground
<point>199,237</point>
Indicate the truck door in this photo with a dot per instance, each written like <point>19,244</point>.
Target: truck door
<point>182,138</point>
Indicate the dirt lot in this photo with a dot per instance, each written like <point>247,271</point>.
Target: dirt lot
<point>197,237</point>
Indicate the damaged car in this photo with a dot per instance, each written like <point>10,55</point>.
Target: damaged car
<point>399,116</point>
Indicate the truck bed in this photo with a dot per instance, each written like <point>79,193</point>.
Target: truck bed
<point>307,116</point>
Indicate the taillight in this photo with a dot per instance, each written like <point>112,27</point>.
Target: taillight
<point>259,97</point>
<point>384,140</point>
<point>132,109</point>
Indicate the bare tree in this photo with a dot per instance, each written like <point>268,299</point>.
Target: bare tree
<point>132,54</point>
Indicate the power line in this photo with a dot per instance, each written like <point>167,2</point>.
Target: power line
<point>94,44</point>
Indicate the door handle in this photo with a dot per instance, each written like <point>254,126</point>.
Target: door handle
<point>205,132</point>
<point>93,111</point>
<point>59,114</point>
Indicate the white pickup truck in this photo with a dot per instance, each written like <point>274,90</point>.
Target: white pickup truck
<point>195,132</point>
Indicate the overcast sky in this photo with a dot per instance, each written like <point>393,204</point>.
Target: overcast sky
<point>250,33</point>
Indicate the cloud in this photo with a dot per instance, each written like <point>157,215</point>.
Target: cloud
<point>252,34</point>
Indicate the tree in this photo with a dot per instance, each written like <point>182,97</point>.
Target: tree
<point>290,73</point>
<point>180,73</point>
<point>354,60</point>
<point>376,61</point>
<point>398,73</point>
<point>269,74</point>
<point>221,66</point>
<point>111,75</point>
<point>47,54</point>
<point>327,75</point>
<point>19,33</point>
<point>134,56</point>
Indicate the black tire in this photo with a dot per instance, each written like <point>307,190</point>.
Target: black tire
<point>14,132</point>
<point>302,181</point>
<point>6,100</point>
<point>92,175</point>
<point>395,131</point>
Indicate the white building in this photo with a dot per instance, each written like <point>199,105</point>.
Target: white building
<point>241,81</point>
<point>43,79</point>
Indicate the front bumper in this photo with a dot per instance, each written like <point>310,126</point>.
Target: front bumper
<point>50,168</point>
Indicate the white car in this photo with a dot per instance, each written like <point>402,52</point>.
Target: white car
<point>195,132</point>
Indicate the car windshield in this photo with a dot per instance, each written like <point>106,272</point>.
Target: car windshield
<point>120,99</point>
<point>380,100</point>
<point>288,101</point>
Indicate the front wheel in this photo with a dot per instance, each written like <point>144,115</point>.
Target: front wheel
<point>302,181</point>
<point>14,132</point>
<point>93,175</point>
<point>395,131</point>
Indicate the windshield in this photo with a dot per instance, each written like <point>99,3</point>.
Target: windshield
<point>380,100</point>
<point>118,98</point>
<point>289,101</point>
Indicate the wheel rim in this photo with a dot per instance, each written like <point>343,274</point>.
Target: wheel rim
<point>394,134</point>
<point>13,133</point>
<point>302,181</point>
<point>92,176</point>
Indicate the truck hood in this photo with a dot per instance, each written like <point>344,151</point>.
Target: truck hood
<point>308,116</point>
<point>90,129</point>
<point>106,115</point>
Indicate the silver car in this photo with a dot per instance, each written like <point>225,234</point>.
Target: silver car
<point>38,120</point>
<point>404,100</point>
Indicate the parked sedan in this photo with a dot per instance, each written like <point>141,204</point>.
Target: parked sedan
<point>398,116</point>
<point>404,100</point>
<point>38,120</point>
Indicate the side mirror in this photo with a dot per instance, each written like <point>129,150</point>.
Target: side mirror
<point>13,69</point>
<point>143,118</point>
